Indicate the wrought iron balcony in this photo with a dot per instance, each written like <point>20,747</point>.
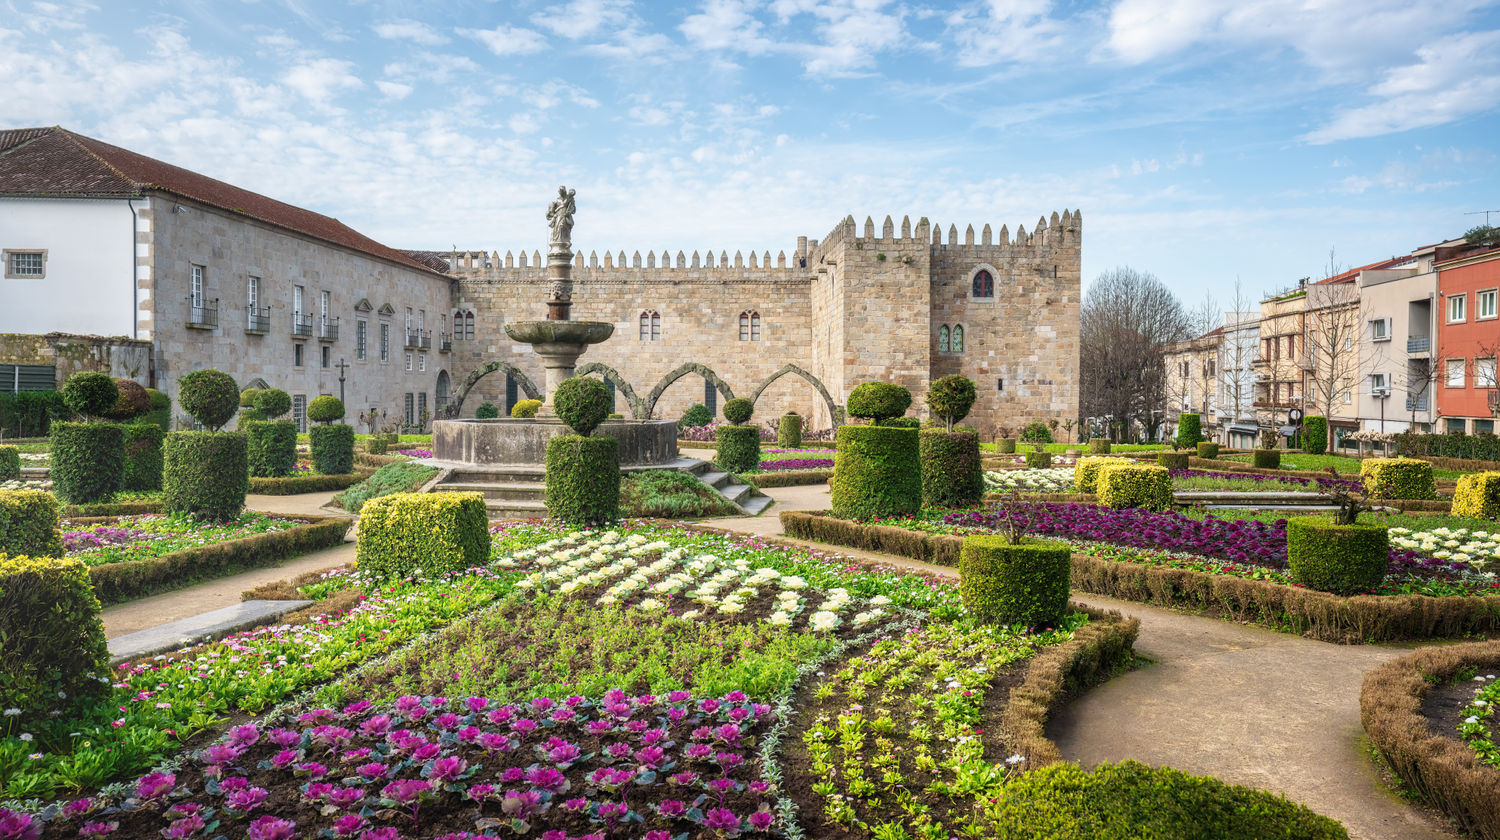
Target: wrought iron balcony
<point>302,324</point>
<point>257,320</point>
<point>445,343</point>
<point>1422,344</point>
<point>203,314</point>
<point>328,330</point>
<point>418,339</point>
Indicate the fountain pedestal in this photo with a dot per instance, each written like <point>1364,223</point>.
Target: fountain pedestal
<point>559,344</point>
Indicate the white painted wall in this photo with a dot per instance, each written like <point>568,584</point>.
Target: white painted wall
<point>88,288</point>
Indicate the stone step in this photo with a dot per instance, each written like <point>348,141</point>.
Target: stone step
<point>515,509</point>
<point>756,504</point>
<point>716,480</point>
<point>736,493</point>
<point>518,490</point>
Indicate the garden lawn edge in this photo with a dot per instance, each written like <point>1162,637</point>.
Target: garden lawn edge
<point>787,478</point>
<point>291,485</point>
<point>1357,619</point>
<point>1441,770</point>
<point>111,509</point>
<point>115,583</point>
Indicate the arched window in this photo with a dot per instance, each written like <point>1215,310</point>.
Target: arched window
<point>650,325</point>
<point>943,339</point>
<point>958,338</point>
<point>749,326</point>
<point>984,284</point>
<point>469,325</point>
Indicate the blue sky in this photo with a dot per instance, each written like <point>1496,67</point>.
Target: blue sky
<point>1204,140</point>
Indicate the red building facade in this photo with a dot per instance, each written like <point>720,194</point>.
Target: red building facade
<point>1468,338</point>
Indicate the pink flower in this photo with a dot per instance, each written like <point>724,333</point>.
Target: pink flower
<point>154,786</point>
<point>77,808</point>
<point>575,804</point>
<point>729,761</point>
<point>446,721</point>
<point>652,757</point>
<point>345,797</point>
<point>426,752</point>
<point>502,715</point>
<point>493,743</point>
<point>183,828</point>
<point>387,833</point>
<point>358,708</point>
<point>284,737</point>
<point>348,824</point>
<point>684,778</point>
<point>697,751</point>
<point>520,804</point>
<point>477,704</point>
<point>98,829</point>
<point>722,786</point>
<point>547,779</point>
<point>480,792</point>
<point>446,769</point>
<point>311,769</point>
<point>722,820</point>
<point>283,759</point>
<point>658,835</point>
<point>563,754</point>
<point>272,828</point>
<point>372,772</point>
<point>317,790</point>
<point>405,791</point>
<point>611,811</point>
<point>246,735</point>
<point>247,800</point>
<point>525,726</point>
<point>672,808</point>
<point>376,726</point>
<point>761,820</point>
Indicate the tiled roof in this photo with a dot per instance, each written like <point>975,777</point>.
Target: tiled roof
<point>57,162</point>
<point>435,260</point>
<point>1351,274</point>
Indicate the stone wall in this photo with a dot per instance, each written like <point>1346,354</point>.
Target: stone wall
<point>120,357</point>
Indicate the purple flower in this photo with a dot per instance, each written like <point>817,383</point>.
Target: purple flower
<point>760,787</point>
<point>684,778</point>
<point>679,696</point>
<point>183,828</point>
<point>722,787</point>
<point>653,736</point>
<point>376,726</point>
<point>672,808</point>
<point>619,749</point>
<point>611,811</point>
<point>502,715</point>
<point>728,733</point>
<point>284,737</point>
<point>477,704</point>
<point>97,829</point>
<point>348,824</point>
<point>575,804</point>
<point>283,759</point>
<point>563,754</point>
<point>511,775</point>
<point>652,757</point>
<point>761,820</point>
<point>722,820</point>
<point>311,769</point>
<point>426,752</point>
<point>219,755</point>
<point>387,833</point>
<point>154,786</point>
<point>480,792</point>
<point>542,704</point>
<point>272,828</point>
<point>446,769</point>
<point>358,708</point>
<point>729,761</point>
<point>547,779</point>
<point>697,751</point>
<point>446,721</point>
<point>525,726</point>
<point>520,804</point>
<point>405,791</point>
<point>346,797</point>
<point>247,800</point>
<point>658,834</point>
<point>246,735</point>
<point>372,772</point>
<point>77,808</point>
<point>563,715</point>
<point>599,727</point>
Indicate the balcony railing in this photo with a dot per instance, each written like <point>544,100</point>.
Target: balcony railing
<point>257,320</point>
<point>203,314</point>
<point>445,343</point>
<point>302,324</point>
<point>328,330</point>
<point>1416,403</point>
<point>419,339</point>
<point>1419,345</point>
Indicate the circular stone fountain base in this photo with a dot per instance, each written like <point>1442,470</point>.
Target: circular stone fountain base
<point>516,441</point>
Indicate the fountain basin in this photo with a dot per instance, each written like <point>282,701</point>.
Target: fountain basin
<point>523,441</point>
<point>559,332</point>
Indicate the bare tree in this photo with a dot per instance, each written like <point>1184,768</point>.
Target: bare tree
<point>1128,319</point>
<point>1332,343</point>
<point>1235,376</point>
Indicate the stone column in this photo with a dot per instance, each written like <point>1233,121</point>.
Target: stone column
<point>560,359</point>
<point>559,288</point>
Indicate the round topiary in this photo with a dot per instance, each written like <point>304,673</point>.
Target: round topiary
<point>273,402</point>
<point>332,448</point>
<point>90,394</point>
<point>877,472</point>
<point>1208,450</point>
<point>738,448</point>
<point>1005,446</point>
<point>271,447</point>
<point>1343,559</point>
<point>247,397</point>
<point>583,478</point>
<point>205,474</point>
<point>738,410</point>
<point>133,400</point>
<point>950,398</point>
<point>88,461</point>
<point>143,458</point>
<point>486,411</point>
<point>209,396</point>
<point>1036,432</point>
<point>697,415</point>
<point>325,409</point>
<point>1007,584</point>
<point>583,403</point>
<point>1315,435</point>
<point>877,401</point>
<point>526,408</point>
<point>952,472</point>
<point>900,422</point>
<point>789,431</point>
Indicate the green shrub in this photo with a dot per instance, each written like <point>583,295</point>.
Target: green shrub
<point>430,533</point>
<point>160,412</point>
<point>1129,801</point>
<point>877,472</point>
<point>1189,430</point>
<point>30,413</point>
<point>292,485</point>
<point>668,494</point>
<point>696,415</point>
<point>1038,460</point>
<point>951,398</point>
<point>952,473</point>
<point>1478,496</point>
<point>90,394</point>
<point>583,479</point>
<point>583,403</point>
<point>272,403</point>
<point>1266,459</point>
<point>132,402</point>
<point>738,448</point>
<point>10,463</point>
<point>326,409</point>
<point>377,444</point>
<point>738,410</point>
<point>1397,478</point>
<point>486,411</point>
<point>205,474</point>
<point>1036,432</point>
<point>1173,460</point>
<point>1099,446</point>
<point>88,461</point>
<point>1343,559</point>
<point>143,460</point>
<point>1010,584</point>
<point>52,652</point>
<point>900,422</point>
<point>1207,449</point>
<point>878,401</point>
<point>1135,486</point>
<point>1086,471</point>
<point>332,448</point>
<point>400,477</point>
<point>247,397</point>
<point>789,431</point>
<point>1005,446</point>
<point>1315,435</point>
<point>209,396</point>
<point>271,446</point>
<point>525,408</point>
<point>29,522</point>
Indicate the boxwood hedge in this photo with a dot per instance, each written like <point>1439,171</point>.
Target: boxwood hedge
<point>143,458</point>
<point>1397,478</point>
<point>29,523</point>
<point>271,446</point>
<point>1315,435</point>
<point>88,461</point>
<point>1006,584</point>
<point>205,474</point>
<point>1208,449</point>
<point>435,533</point>
<point>952,472</point>
<point>332,448</point>
<point>1266,459</point>
<point>1343,559</point>
<point>10,463</point>
<point>877,472</point>
<point>583,479</point>
<point>52,652</point>
<point>1478,496</point>
<point>1135,486</point>
<point>789,431</point>
<point>738,448</point>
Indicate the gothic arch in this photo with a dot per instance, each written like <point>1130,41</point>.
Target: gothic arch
<point>638,409</point>
<point>443,390</point>
<point>690,367</point>
<point>257,382</point>
<point>835,411</point>
<point>456,404</point>
<point>994,278</point>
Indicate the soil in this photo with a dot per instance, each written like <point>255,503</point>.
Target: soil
<point>1444,706</point>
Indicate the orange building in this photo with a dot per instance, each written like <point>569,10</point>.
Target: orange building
<point>1468,338</point>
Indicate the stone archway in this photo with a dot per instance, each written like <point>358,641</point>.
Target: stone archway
<point>835,411</point>
<point>456,405</point>
<point>691,367</point>
<point>638,409</point>
<point>443,386</point>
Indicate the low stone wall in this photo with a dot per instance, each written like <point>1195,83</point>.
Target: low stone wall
<point>509,440</point>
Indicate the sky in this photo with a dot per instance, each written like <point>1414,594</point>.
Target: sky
<point>1205,141</point>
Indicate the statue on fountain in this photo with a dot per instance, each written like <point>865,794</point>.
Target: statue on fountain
<point>560,219</point>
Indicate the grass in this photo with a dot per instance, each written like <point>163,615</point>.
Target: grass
<point>667,494</point>
<point>400,477</point>
<point>1341,463</point>
<point>1240,484</point>
<point>1060,448</point>
<point>427,439</point>
<point>1389,520</point>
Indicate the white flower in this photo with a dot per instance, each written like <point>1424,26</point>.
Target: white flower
<point>822,621</point>
<point>26,736</point>
<point>1015,759</point>
<point>12,712</point>
<point>1471,719</point>
<point>793,582</point>
<point>650,604</point>
<point>731,607</point>
<point>691,614</point>
<point>779,619</point>
<point>880,600</point>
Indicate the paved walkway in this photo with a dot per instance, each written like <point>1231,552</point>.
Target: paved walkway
<point>302,504</point>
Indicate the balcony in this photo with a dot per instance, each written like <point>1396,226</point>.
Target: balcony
<point>1421,344</point>
<point>203,314</point>
<point>1416,403</point>
<point>419,339</point>
<point>445,343</point>
<point>328,330</point>
<point>257,320</point>
<point>302,325</point>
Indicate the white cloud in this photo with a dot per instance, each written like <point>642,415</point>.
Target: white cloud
<point>394,90</point>
<point>506,40</point>
<point>410,30</point>
<point>726,25</point>
<point>850,34</point>
<point>582,18</point>
<point>548,95</point>
<point>321,80</point>
<point>999,31</point>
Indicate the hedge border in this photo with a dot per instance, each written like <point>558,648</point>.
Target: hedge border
<point>1358,619</point>
<point>292,485</point>
<point>787,478</point>
<point>1442,770</point>
<point>111,509</point>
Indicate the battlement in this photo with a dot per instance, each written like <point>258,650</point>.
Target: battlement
<point>1060,228</point>
<point>465,263</point>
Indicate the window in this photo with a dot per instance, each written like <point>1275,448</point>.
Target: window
<point>297,355</point>
<point>421,405</point>
<point>323,308</point>
<point>25,265</point>
<point>197,291</point>
<point>749,326</point>
<point>385,342</point>
<point>1380,329</point>
<point>361,327</point>
<point>1455,425</point>
<point>469,326</point>
<point>422,362</point>
<point>411,409</point>
<point>1484,373</point>
<point>1380,385</point>
<point>1456,308</point>
<point>299,410</point>
<point>958,339</point>
<point>327,356</point>
<point>408,330</point>
<point>1453,373</point>
<point>252,293</point>
<point>1212,367</point>
<point>943,342</point>
<point>650,325</point>
<point>408,361</point>
<point>1484,427</point>
<point>1484,304</point>
<point>297,292</point>
<point>711,398</point>
<point>984,284</point>
<point>421,321</point>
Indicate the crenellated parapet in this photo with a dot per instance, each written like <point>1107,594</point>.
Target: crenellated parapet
<point>707,266</point>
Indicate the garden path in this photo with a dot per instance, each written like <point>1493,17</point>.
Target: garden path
<point>301,504</point>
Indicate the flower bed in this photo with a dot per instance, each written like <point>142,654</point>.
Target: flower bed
<point>788,478</point>
<point>152,535</point>
<point>796,459</point>
<point>1474,548</point>
<point>1219,480</point>
<point>1478,727</point>
<point>415,453</point>
<point>1052,480</point>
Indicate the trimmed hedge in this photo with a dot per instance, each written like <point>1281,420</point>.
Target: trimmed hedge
<point>1086,471</point>
<point>143,456</point>
<point>1208,449</point>
<point>738,448</point>
<point>52,653</point>
<point>1315,435</point>
<point>160,412</point>
<point>486,411</point>
<point>877,472</point>
<point>1458,446</point>
<point>271,402</point>
<point>111,509</point>
<point>430,533</point>
<point>950,399</point>
<point>952,472</point>
<point>1135,487</point>
<point>90,393</point>
<point>1343,559</point>
<point>1172,460</point>
<point>332,448</point>
<point>738,410</point>
<point>10,463</point>
<point>1005,446</point>
<point>381,443</point>
<point>1478,496</point>
<point>696,415</point>
<point>205,474</point>
<point>583,479</point>
<point>209,396</point>
<point>1397,478</point>
<point>29,524</point>
<point>789,431</point>
<point>1099,446</point>
<point>878,401</point>
<point>270,445</point>
<point>1266,459</point>
<point>88,461</point>
<point>326,409</point>
<point>1038,460</point>
<point>292,485</point>
<point>1009,584</point>
<point>582,403</point>
<point>525,408</point>
<point>788,478</point>
<point>1189,430</point>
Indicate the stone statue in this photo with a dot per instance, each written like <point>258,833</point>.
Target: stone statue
<point>560,218</point>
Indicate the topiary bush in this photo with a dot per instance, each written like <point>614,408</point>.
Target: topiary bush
<point>1135,486</point>
<point>877,472</point>
<point>583,403</point>
<point>951,398</point>
<point>697,415</point>
<point>273,403</point>
<point>88,461</point>
<point>1478,496</point>
<point>1099,446</point>
<point>1038,460</point>
<point>738,448</point>
<point>247,397</point>
<point>789,431</point>
<point>1086,471</point>
<point>209,396</point>
<point>132,402</point>
<point>1207,449</point>
<point>526,408</point>
<point>877,401</point>
<point>431,533</point>
<point>1005,446</point>
<point>160,412</point>
<point>29,521</point>
<point>52,653</point>
<point>1036,432</point>
<point>738,410</point>
<point>1007,584</point>
<point>1189,430</point>
<point>952,472</point>
<point>1343,559</point>
<point>1266,459</point>
<point>90,394</point>
<point>583,479</point>
<point>900,423</point>
<point>205,474</point>
<point>1397,478</point>
<point>1315,435</point>
<point>486,411</point>
<point>271,447</point>
<point>10,463</point>
<point>143,457</point>
<point>326,409</point>
<point>1172,460</point>
<point>332,448</point>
